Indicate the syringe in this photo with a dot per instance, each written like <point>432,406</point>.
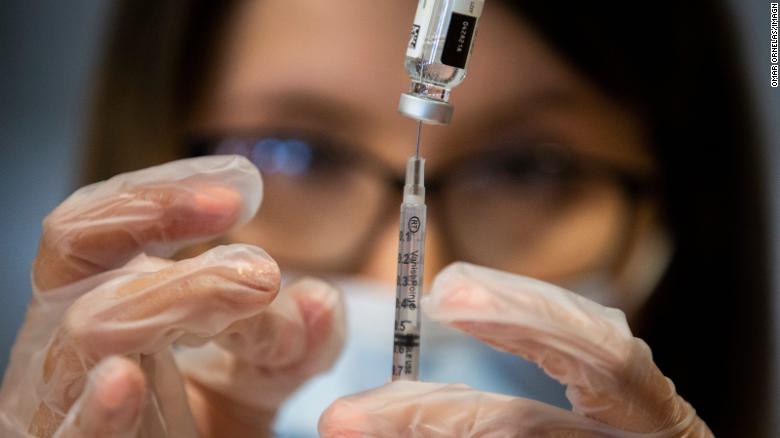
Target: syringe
<point>409,281</point>
<point>436,59</point>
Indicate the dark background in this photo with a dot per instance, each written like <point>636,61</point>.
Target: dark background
<point>48,51</point>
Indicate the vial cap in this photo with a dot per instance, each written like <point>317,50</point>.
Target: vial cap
<point>430,111</point>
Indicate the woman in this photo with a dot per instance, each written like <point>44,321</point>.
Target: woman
<point>591,145</point>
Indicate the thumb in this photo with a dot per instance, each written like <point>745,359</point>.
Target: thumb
<point>610,375</point>
<point>110,405</point>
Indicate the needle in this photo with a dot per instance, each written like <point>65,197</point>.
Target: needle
<point>419,131</point>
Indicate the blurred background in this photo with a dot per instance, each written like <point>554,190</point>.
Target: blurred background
<point>48,51</point>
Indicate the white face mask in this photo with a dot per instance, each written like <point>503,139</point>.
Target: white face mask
<point>446,356</point>
<point>597,286</point>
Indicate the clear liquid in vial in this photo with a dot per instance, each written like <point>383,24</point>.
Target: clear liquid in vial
<point>440,45</point>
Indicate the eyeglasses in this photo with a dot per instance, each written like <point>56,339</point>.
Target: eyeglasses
<point>521,208</point>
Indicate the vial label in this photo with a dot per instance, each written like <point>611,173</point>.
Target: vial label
<point>422,21</point>
<point>457,45</point>
<point>468,7</point>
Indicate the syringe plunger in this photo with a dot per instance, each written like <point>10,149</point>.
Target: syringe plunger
<point>414,188</point>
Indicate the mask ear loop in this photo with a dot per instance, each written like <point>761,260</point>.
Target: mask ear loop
<point>630,277</point>
<point>646,255</point>
<point>643,271</point>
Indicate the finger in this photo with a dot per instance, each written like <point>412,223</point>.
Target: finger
<point>610,375</point>
<point>263,359</point>
<point>154,210</point>
<point>198,297</point>
<point>144,313</point>
<point>110,405</point>
<point>302,329</point>
<point>417,409</point>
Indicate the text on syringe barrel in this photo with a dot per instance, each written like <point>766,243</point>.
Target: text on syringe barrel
<point>409,283</point>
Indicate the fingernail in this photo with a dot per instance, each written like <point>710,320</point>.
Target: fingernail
<point>474,298</point>
<point>217,200</point>
<point>119,392</point>
<point>317,299</point>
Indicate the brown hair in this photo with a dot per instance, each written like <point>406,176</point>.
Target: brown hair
<point>155,64</point>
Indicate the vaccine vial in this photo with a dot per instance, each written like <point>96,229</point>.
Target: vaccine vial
<point>437,56</point>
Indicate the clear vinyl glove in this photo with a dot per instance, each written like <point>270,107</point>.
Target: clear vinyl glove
<point>95,355</point>
<point>614,386</point>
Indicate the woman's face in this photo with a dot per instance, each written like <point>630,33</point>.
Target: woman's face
<point>529,177</point>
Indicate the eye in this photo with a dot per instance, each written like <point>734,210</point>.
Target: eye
<point>538,164</point>
<point>287,155</point>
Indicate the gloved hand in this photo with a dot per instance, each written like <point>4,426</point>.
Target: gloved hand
<point>614,386</point>
<point>94,357</point>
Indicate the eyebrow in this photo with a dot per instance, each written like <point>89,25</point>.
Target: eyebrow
<point>311,106</point>
<point>496,116</point>
<point>518,106</point>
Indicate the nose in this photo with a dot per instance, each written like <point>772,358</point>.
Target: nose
<point>381,261</point>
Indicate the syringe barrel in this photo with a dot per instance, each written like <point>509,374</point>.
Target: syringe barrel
<point>409,279</point>
<point>409,283</point>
